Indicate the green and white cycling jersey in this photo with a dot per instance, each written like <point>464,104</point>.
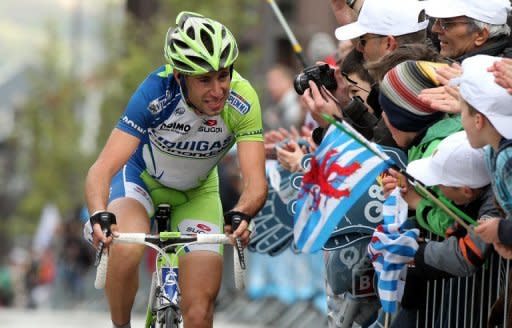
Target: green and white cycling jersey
<point>180,148</point>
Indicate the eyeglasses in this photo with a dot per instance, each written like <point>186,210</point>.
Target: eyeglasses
<point>445,25</point>
<point>352,82</point>
<point>363,41</point>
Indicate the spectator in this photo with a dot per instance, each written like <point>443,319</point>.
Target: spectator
<point>460,174</point>
<point>359,80</point>
<point>469,27</point>
<point>487,117</point>
<point>321,47</point>
<point>416,128</point>
<point>384,25</point>
<point>287,111</point>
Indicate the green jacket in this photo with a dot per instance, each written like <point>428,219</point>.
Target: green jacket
<point>428,215</point>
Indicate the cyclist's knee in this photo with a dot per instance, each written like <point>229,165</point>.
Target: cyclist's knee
<point>126,255</point>
<point>198,314</point>
<point>127,325</point>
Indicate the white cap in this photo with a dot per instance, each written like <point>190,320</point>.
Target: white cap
<point>488,11</point>
<point>385,17</point>
<point>478,88</point>
<point>453,164</point>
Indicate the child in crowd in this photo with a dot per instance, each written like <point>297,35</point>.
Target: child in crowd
<point>487,119</point>
<point>459,172</point>
<point>417,129</point>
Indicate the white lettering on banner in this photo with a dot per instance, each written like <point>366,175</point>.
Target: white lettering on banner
<point>373,209</point>
<point>349,256</point>
<point>365,283</point>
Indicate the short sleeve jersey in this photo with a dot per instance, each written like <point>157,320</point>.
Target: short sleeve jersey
<point>179,148</point>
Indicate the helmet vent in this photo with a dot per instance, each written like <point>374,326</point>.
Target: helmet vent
<point>179,44</point>
<point>207,41</point>
<point>179,65</point>
<point>223,33</point>
<point>201,62</point>
<point>224,55</point>
<point>190,32</point>
<point>209,27</point>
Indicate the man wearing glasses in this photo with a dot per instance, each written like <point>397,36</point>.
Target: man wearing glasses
<point>469,27</point>
<point>382,26</point>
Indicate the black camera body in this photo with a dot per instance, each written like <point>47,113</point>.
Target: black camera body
<point>320,74</point>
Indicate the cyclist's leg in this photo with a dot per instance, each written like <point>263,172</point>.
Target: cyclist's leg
<point>130,203</point>
<point>201,267</point>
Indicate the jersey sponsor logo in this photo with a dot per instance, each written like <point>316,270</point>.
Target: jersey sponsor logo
<point>157,105</point>
<point>210,122</point>
<point>133,125</point>
<point>203,227</point>
<point>209,125</point>
<point>215,129</point>
<point>176,127</point>
<point>198,226</point>
<point>192,149</point>
<point>180,111</point>
<point>238,103</point>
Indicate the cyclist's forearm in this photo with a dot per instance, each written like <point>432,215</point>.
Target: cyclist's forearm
<point>252,198</point>
<point>97,189</point>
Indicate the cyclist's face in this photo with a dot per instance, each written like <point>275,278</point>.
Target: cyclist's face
<point>209,92</point>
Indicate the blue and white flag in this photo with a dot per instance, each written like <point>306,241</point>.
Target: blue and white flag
<point>341,171</point>
<point>391,248</point>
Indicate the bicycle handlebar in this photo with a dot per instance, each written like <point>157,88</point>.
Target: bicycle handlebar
<point>142,238</point>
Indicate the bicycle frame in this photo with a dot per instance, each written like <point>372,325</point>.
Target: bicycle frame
<point>165,294</point>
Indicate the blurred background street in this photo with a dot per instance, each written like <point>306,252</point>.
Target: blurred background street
<point>76,319</point>
<point>68,69</point>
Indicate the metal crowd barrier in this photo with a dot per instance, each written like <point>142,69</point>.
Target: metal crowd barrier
<point>467,302</point>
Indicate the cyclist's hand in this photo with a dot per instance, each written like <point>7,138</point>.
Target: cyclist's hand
<point>242,230</point>
<point>98,236</point>
<point>243,233</point>
<point>99,228</point>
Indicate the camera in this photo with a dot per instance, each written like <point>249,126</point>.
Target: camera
<point>320,74</point>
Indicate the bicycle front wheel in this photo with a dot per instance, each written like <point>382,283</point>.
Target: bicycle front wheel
<point>172,318</point>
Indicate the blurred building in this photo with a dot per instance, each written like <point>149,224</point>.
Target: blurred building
<point>305,18</point>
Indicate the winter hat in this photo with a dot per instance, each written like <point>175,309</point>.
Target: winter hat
<point>399,92</point>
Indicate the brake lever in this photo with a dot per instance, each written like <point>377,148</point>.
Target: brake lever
<point>238,242</point>
<point>99,251</point>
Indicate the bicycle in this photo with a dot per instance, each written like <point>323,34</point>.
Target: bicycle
<point>163,306</point>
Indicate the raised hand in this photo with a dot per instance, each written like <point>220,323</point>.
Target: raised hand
<point>319,102</point>
<point>502,71</point>
<point>444,98</point>
<point>290,156</point>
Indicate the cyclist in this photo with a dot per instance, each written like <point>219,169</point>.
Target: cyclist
<point>179,123</point>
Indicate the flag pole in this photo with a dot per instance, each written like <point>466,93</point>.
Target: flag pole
<point>448,208</point>
<point>295,44</point>
<point>386,320</point>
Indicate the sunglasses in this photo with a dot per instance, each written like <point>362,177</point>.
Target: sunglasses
<point>363,41</point>
<point>446,25</point>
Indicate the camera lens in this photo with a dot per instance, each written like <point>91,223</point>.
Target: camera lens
<point>301,83</point>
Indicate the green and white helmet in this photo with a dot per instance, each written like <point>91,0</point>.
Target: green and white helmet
<point>198,45</point>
